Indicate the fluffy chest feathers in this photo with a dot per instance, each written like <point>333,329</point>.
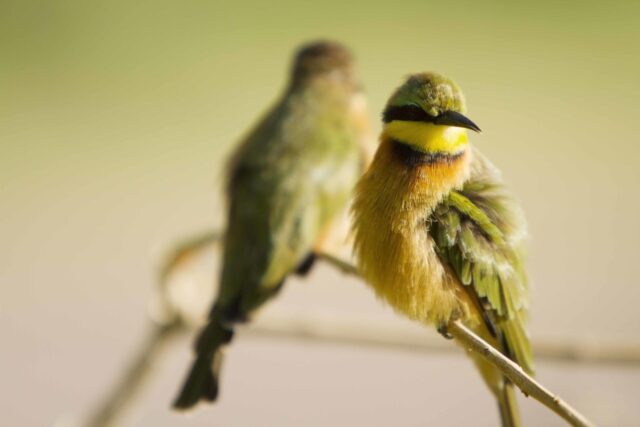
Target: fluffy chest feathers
<point>396,256</point>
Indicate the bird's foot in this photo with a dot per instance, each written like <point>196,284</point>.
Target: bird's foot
<point>305,266</point>
<point>442,330</point>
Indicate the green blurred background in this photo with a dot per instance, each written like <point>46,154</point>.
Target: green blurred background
<point>116,117</point>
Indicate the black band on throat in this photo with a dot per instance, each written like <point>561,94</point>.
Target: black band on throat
<point>413,157</point>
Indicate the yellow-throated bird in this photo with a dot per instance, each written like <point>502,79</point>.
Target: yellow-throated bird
<point>437,235</point>
<point>288,182</point>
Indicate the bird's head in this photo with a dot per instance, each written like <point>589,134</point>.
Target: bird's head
<point>427,113</point>
<point>322,59</point>
<point>429,98</point>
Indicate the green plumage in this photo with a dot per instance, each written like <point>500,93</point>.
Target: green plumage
<point>479,232</point>
<point>288,181</point>
<point>291,178</point>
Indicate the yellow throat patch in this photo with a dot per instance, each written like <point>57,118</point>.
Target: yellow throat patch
<point>427,137</point>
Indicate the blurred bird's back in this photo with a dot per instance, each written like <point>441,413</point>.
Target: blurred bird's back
<point>291,176</point>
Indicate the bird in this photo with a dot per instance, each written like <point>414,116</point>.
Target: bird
<point>436,232</point>
<point>288,184</point>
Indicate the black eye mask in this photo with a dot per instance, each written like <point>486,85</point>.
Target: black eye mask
<point>412,113</point>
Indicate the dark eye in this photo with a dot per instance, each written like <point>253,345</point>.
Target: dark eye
<point>410,113</point>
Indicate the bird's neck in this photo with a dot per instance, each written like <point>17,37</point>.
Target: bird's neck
<point>421,163</point>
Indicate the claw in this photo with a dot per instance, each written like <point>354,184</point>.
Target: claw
<point>442,330</point>
<point>305,266</point>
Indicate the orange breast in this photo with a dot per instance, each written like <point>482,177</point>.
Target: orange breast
<point>395,253</point>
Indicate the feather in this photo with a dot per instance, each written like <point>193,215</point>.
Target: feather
<point>478,234</point>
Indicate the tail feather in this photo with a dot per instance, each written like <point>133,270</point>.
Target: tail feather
<point>202,381</point>
<point>508,406</point>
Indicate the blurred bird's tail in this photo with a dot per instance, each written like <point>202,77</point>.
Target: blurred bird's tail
<point>202,381</point>
<point>508,406</point>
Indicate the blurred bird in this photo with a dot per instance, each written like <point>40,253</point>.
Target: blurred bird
<point>437,235</point>
<point>288,183</point>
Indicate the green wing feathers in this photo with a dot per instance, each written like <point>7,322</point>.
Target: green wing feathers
<point>479,232</point>
<point>292,178</point>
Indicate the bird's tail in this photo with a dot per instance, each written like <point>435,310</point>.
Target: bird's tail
<point>202,381</point>
<point>500,386</point>
<point>508,406</point>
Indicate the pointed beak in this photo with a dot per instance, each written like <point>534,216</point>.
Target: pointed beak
<point>453,118</point>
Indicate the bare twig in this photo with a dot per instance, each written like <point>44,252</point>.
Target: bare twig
<point>514,372</point>
<point>186,249</point>
<point>132,382</point>
<point>124,393</point>
<point>342,265</point>
<point>510,369</point>
<point>111,408</point>
<point>348,330</point>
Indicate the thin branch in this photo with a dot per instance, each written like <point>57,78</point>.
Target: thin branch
<point>576,350</point>
<point>353,330</point>
<point>112,407</point>
<point>186,249</point>
<point>510,369</point>
<point>514,372</point>
<point>342,265</point>
<point>132,382</point>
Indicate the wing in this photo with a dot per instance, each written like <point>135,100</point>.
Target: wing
<point>290,178</point>
<point>479,231</point>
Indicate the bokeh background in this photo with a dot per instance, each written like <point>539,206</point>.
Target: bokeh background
<point>116,118</point>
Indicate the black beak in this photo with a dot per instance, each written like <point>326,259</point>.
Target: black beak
<point>453,118</point>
